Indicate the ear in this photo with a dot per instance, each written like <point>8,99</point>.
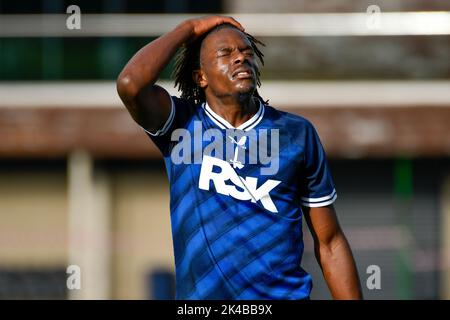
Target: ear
<point>199,78</point>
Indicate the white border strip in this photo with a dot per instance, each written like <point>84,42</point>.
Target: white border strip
<point>168,123</point>
<point>286,94</point>
<point>272,25</point>
<point>259,119</point>
<point>224,124</point>
<point>216,121</point>
<point>331,195</point>
<point>319,204</point>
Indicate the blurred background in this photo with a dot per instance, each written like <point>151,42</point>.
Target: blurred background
<point>81,184</point>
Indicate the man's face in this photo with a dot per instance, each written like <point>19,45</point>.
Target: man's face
<point>228,65</point>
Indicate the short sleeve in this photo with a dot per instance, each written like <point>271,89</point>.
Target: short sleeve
<point>316,184</point>
<point>181,112</point>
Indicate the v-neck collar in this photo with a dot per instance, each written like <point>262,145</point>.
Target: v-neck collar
<point>224,124</point>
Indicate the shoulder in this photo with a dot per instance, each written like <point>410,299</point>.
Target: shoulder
<point>185,103</point>
<point>184,108</point>
<point>289,120</point>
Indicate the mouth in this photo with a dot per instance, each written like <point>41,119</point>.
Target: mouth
<point>243,73</point>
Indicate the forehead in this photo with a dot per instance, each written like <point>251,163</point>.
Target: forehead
<point>225,37</point>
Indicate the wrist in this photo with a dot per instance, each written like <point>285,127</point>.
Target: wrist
<point>187,29</point>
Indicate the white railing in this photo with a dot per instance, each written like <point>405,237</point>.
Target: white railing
<point>364,94</point>
<point>307,24</point>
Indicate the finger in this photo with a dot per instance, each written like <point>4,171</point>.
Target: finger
<point>232,21</point>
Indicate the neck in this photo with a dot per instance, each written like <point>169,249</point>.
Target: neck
<point>236,110</point>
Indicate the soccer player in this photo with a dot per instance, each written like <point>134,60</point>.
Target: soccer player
<point>242,173</point>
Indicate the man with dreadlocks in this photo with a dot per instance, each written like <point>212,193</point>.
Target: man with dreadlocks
<point>236,216</point>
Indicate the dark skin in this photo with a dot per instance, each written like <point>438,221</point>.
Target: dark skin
<point>149,104</point>
<point>333,253</point>
<point>228,75</point>
<point>229,93</point>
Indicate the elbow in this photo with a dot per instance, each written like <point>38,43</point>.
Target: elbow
<point>126,88</point>
<point>329,241</point>
<point>334,245</point>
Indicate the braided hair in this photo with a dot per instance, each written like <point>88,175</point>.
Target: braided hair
<point>187,61</point>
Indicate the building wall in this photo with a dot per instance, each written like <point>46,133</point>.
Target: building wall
<point>33,215</point>
<point>142,233</point>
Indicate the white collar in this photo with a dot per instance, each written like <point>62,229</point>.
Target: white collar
<point>224,124</point>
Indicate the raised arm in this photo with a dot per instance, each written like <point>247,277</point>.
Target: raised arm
<point>149,104</point>
<point>333,253</point>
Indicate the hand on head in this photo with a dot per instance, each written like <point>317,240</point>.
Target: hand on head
<point>204,24</point>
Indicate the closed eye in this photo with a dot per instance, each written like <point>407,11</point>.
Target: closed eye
<point>248,51</point>
<point>224,52</point>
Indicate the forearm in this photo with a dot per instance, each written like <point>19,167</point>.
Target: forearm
<point>144,67</point>
<point>339,268</point>
<point>149,104</point>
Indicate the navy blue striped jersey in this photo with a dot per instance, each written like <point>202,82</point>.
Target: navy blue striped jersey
<point>235,199</point>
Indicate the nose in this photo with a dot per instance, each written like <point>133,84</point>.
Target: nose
<point>239,57</point>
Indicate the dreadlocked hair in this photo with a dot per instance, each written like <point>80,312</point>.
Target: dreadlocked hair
<point>187,61</point>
